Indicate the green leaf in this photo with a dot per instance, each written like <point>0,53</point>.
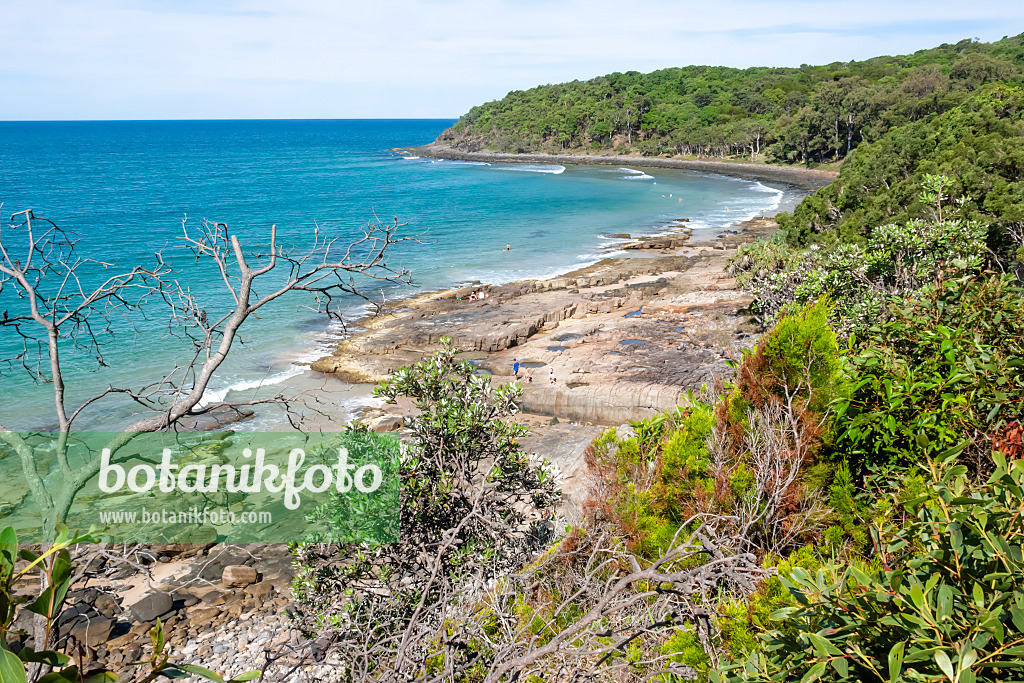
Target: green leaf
<point>101,677</point>
<point>201,671</point>
<point>823,647</point>
<point>49,602</point>
<point>12,670</point>
<point>62,676</point>
<point>1017,615</point>
<point>28,555</point>
<point>896,662</point>
<point>814,673</point>
<point>979,595</point>
<point>942,659</point>
<point>49,657</point>
<point>917,596</point>
<point>783,614</point>
<point>247,676</point>
<point>156,635</point>
<point>62,567</point>
<point>8,547</point>
<point>841,666</point>
<point>967,659</point>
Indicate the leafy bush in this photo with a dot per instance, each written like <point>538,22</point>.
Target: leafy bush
<point>948,603</point>
<point>896,261</point>
<point>683,647</point>
<point>473,506</point>
<point>797,363</point>
<point>656,476</point>
<point>947,367</point>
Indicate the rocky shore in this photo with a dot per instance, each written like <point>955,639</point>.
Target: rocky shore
<point>623,339</point>
<point>803,178</point>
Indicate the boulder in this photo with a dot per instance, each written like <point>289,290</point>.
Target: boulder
<point>92,632</point>
<point>260,590</point>
<point>152,606</point>
<point>239,576</point>
<point>201,615</point>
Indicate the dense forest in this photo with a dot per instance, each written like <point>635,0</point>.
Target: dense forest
<point>810,114</point>
<point>978,145</point>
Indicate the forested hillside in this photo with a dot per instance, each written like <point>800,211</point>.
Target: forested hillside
<point>978,145</point>
<point>810,114</point>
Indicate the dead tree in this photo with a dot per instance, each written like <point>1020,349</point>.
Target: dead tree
<point>63,305</point>
<point>570,615</point>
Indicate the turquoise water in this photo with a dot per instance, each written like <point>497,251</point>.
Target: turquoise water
<point>124,187</point>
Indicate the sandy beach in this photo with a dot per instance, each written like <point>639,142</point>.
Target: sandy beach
<point>804,178</point>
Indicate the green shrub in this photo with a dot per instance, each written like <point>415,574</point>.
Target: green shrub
<point>657,474</point>
<point>796,364</point>
<point>896,261</point>
<point>947,367</point>
<point>978,145</point>
<point>947,604</point>
<point>803,353</point>
<point>683,647</point>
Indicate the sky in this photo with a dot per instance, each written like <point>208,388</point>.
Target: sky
<point>203,59</point>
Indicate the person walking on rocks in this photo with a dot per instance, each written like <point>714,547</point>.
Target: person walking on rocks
<point>551,375</point>
<point>515,368</point>
<point>527,376</point>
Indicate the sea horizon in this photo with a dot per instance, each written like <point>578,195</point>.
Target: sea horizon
<point>114,181</point>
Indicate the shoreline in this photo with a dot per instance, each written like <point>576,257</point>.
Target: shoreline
<point>626,337</point>
<point>802,178</point>
<point>354,402</point>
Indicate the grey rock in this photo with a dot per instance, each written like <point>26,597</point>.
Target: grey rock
<point>92,632</point>
<point>152,606</point>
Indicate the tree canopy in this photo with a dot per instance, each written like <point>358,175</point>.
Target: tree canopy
<point>979,146</point>
<point>810,114</point>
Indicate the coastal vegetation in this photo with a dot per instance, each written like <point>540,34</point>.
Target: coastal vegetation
<point>56,325</point>
<point>848,505</point>
<point>978,146</point>
<point>806,115</point>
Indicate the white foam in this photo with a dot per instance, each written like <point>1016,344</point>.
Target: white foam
<point>642,176</point>
<point>218,395</point>
<point>534,168</point>
<point>774,202</point>
<point>410,157</point>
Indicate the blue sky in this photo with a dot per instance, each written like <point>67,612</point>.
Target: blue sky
<point>182,59</point>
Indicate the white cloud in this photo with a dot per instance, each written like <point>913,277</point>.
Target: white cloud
<point>310,58</point>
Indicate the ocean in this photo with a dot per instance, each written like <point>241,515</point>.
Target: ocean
<point>123,188</point>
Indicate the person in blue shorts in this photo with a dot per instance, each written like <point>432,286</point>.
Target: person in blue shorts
<point>515,368</point>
